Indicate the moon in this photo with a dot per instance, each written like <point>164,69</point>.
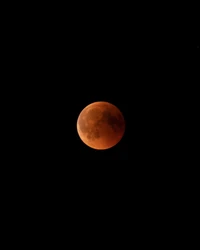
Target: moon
<point>101,125</point>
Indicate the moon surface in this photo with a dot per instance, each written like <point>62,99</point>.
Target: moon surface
<point>101,125</point>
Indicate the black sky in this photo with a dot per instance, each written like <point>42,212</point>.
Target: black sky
<point>66,62</point>
<point>63,60</point>
<point>77,60</point>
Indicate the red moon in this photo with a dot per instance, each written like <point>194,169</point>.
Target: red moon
<point>101,125</point>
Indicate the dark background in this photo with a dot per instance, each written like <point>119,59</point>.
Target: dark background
<point>79,59</point>
<point>65,59</point>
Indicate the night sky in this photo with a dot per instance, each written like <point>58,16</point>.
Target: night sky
<point>68,105</point>
<point>90,62</point>
<point>65,60</point>
<point>80,62</point>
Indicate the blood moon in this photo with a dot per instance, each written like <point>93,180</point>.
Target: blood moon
<point>101,125</point>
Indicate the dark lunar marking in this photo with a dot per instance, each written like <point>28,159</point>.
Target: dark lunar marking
<point>93,134</point>
<point>116,122</point>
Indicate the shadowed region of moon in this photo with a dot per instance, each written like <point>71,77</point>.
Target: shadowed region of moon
<point>101,125</point>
